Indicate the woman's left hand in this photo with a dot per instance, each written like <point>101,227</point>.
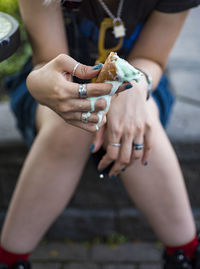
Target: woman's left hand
<point>128,124</point>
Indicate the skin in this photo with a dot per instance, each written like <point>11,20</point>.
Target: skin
<point>56,160</point>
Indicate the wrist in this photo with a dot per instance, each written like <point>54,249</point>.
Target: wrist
<point>140,88</point>
<point>149,83</point>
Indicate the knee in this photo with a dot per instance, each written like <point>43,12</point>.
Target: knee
<point>60,139</point>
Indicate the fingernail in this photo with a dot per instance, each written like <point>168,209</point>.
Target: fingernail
<point>123,169</point>
<point>113,176</point>
<point>98,66</point>
<point>100,170</point>
<point>92,148</point>
<point>128,86</point>
<point>146,163</point>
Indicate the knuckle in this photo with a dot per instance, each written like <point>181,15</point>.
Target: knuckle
<point>92,130</point>
<point>116,130</point>
<point>83,69</point>
<point>129,132</point>
<point>124,161</point>
<point>62,108</point>
<point>112,156</point>
<point>60,58</point>
<point>101,104</point>
<point>139,127</point>
<point>61,94</point>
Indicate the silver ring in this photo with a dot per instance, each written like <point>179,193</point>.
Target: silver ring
<point>74,70</point>
<point>82,90</point>
<point>138,146</point>
<point>84,117</point>
<point>115,144</point>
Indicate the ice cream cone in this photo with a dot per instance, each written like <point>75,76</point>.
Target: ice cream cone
<point>109,70</point>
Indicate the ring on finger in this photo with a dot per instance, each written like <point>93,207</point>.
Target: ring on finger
<point>138,146</point>
<point>74,70</point>
<point>84,117</point>
<point>115,144</point>
<point>82,91</point>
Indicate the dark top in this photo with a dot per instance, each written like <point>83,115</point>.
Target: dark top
<point>85,16</point>
<point>133,12</point>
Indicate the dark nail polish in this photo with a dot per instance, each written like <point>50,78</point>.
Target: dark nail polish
<point>113,176</point>
<point>98,66</point>
<point>100,170</point>
<point>123,169</point>
<point>128,86</point>
<point>92,148</point>
<point>146,163</point>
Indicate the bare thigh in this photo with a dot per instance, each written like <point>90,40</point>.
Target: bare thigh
<point>159,191</point>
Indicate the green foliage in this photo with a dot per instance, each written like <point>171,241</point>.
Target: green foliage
<point>15,62</point>
<point>10,7</point>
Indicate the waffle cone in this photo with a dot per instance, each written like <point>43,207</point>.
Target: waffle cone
<point>108,71</point>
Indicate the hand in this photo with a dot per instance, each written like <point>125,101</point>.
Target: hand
<point>128,123</point>
<point>51,85</point>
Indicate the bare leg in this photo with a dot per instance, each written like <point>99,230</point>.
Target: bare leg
<point>159,192</point>
<point>47,181</point>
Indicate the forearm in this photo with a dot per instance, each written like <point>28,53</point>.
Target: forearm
<point>151,51</point>
<point>150,67</point>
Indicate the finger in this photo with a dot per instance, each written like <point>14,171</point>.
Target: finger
<point>147,147</point>
<point>99,139</point>
<point>89,127</point>
<point>78,116</point>
<point>112,153</point>
<point>124,156</point>
<point>93,89</point>
<point>137,147</point>
<point>124,86</point>
<point>84,105</point>
<point>66,64</point>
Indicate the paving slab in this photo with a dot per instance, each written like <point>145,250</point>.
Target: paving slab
<point>118,266</point>
<point>56,251</point>
<point>81,266</point>
<point>187,47</point>
<point>126,253</point>
<point>8,130</point>
<point>184,124</point>
<point>186,83</point>
<point>47,266</point>
<point>150,266</point>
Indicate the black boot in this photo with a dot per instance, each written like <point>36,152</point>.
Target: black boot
<point>19,265</point>
<point>177,261</point>
<point>3,266</point>
<point>196,264</point>
<point>22,265</point>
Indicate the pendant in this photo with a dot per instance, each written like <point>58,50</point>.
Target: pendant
<point>106,24</point>
<point>119,28</point>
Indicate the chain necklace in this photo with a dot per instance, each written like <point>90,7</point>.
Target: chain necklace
<point>118,28</point>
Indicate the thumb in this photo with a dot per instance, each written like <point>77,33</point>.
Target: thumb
<point>98,139</point>
<point>87,72</point>
<point>70,65</point>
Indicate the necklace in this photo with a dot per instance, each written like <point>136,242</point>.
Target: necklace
<point>118,25</point>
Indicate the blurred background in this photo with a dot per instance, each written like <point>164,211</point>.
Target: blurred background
<point>101,226</point>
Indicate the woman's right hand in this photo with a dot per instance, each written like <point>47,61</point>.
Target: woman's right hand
<point>51,86</point>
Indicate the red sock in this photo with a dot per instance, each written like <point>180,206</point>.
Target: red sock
<point>189,248</point>
<point>11,258</point>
